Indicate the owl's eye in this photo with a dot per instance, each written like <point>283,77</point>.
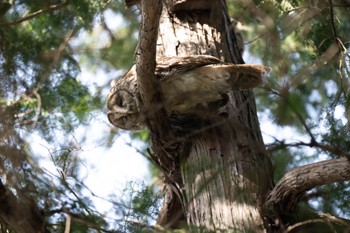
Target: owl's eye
<point>120,102</point>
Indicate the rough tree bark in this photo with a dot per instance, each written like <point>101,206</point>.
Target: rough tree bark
<point>290,188</point>
<point>220,172</point>
<point>219,175</point>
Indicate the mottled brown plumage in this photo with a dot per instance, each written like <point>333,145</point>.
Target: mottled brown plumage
<point>185,83</point>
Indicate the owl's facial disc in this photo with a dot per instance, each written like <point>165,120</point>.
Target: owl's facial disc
<point>122,101</point>
<point>123,110</point>
<point>125,121</point>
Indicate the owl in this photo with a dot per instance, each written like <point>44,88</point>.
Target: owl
<point>185,83</point>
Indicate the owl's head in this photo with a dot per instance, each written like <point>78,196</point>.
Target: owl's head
<point>123,103</point>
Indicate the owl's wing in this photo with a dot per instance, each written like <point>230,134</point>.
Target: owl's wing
<point>169,66</point>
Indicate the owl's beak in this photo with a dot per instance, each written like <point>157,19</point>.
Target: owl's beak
<point>113,115</point>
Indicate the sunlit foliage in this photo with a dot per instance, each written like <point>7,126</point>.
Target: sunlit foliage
<point>306,44</point>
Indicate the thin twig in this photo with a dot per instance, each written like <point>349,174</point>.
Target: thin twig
<point>335,219</point>
<point>30,16</point>
<point>38,108</point>
<point>68,223</point>
<point>334,32</point>
<point>326,148</point>
<point>300,224</point>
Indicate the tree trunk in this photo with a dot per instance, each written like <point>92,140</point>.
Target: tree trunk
<point>219,172</point>
<point>21,215</point>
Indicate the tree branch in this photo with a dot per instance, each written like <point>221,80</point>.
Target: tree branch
<point>32,15</point>
<point>288,191</point>
<point>145,67</point>
<point>156,118</point>
<point>313,143</point>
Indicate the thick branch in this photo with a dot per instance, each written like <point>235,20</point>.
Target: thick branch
<point>287,192</point>
<point>156,119</point>
<point>146,63</point>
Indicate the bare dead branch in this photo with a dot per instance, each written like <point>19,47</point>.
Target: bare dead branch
<point>32,15</point>
<point>68,224</point>
<point>288,191</point>
<point>335,219</point>
<point>313,144</point>
<point>85,221</point>
<point>324,218</point>
<point>303,223</point>
<point>156,228</point>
